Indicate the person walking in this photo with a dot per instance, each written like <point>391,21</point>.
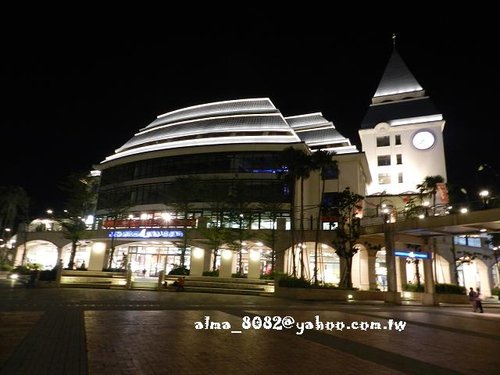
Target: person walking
<point>479,299</point>
<point>473,298</point>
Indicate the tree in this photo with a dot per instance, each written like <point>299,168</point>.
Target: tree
<point>323,161</point>
<point>181,194</point>
<point>215,237</point>
<point>347,232</point>
<point>241,216</point>
<point>79,201</point>
<point>116,203</point>
<point>494,242</point>
<point>73,229</point>
<point>429,187</point>
<point>274,209</point>
<point>80,193</point>
<point>296,164</point>
<point>14,204</point>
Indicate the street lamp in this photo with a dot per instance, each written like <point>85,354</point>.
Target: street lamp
<point>484,194</point>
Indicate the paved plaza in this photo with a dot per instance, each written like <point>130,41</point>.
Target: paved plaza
<point>100,332</point>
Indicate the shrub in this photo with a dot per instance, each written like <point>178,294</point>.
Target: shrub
<point>293,282</point>
<point>450,289</point>
<point>5,266</point>
<point>179,271</point>
<point>495,292</point>
<point>211,273</point>
<point>48,275</point>
<point>22,270</point>
<point>413,287</point>
<point>272,275</point>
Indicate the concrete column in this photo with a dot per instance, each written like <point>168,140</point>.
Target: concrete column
<point>429,295</point>
<point>360,270</point>
<point>281,223</point>
<point>197,262</point>
<point>390,260</point>
<point>97,256</point>
<point>392,294</point>
<point>226,264</point>
<point>207,260</point>
<point>401,273</point>
<point>372,275</point>
<point>254,264</point>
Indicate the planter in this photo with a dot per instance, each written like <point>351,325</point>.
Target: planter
<point>325,294</point>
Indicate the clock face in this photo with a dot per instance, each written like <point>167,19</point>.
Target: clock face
<point>423,140</point>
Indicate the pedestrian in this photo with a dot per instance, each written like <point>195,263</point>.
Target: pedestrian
<point>479,303</point>
<point>180,284</point>
<point>472,298</point>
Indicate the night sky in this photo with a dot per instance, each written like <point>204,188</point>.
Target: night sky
<point>69,103</point>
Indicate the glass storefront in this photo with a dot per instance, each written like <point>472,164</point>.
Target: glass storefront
<point>149,259</point>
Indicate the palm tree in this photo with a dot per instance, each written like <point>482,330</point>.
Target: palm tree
<point>80,200</point>
<point>14,203</point>
<point>297,164</point>
<point>323,161</point>
<point>430,187</point>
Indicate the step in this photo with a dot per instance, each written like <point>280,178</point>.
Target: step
<point>226,291</point>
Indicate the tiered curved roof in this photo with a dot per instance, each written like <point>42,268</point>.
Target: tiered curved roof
<point>243,121</point>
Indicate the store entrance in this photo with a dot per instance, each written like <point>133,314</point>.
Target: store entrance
<point>148,261</point>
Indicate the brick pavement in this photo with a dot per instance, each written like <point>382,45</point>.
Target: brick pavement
<point>126,332</point>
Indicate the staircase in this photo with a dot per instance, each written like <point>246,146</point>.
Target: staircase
<point>93,279</point>
<point>211,284</point>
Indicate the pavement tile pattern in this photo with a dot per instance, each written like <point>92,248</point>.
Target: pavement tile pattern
<point>101,332</point>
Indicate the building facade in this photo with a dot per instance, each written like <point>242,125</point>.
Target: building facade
<point>163,194</point>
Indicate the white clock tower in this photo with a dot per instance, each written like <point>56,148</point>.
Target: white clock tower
<point>402,133</point>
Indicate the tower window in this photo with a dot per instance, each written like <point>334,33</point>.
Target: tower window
<point>400,177</point>
<point>383,160</point>
<point>383,141</point>
<point>398,139</point>
<point>384,178</point>
<point>399,159</point>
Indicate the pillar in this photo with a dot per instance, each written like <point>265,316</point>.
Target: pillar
<point>429,295</point>
<point>97,256</point>
<point>401,273</point>
<point>360,270</point>
<point>390,260</point>
<point>226,263</point>
<point>372,274</point>
<point>392,294</point>
<point>197,262</point>
<point>254,264</point>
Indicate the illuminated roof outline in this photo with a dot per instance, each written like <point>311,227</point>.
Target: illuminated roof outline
<point>397,78</point>
<point>319,133</point>
<point>399,98</point>
<point>244,121</point>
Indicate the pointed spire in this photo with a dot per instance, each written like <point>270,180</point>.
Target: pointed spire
<point>397,78</point>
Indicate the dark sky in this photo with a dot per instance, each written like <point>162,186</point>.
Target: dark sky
<point>67,103</point>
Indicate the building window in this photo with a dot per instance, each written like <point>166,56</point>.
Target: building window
<point>399,159</point>
<point>384,178</point>
<point>383,160</point>
<point>398,139</point>
<point>383,141</point>
<point>400,177</point>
